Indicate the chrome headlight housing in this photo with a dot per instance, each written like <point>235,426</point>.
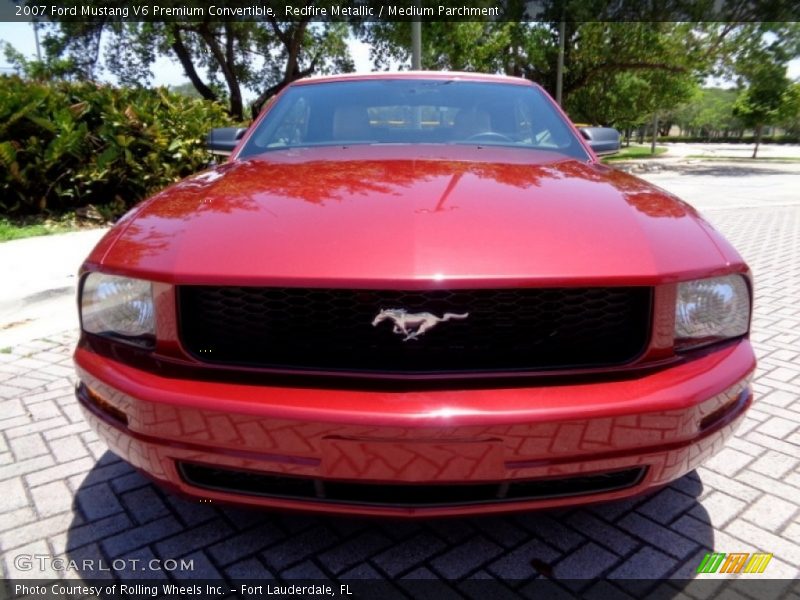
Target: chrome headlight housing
<point>119,308</point>
<point>711,310</point>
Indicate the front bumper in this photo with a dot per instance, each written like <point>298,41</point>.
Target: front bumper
<point>660,426</point>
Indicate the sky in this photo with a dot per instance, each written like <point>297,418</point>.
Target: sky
<point>166,71</point>
<point>169,72</point>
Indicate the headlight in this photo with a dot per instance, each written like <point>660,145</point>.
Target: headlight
<point>711,310</point>
<point>118,307</point>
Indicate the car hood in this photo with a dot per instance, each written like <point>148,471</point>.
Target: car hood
<point>397,216</point>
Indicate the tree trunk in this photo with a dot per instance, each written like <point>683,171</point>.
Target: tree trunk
<point>184,57</point>
<point>759,128</point>
<point>655,133</point>
<point>225,62</point>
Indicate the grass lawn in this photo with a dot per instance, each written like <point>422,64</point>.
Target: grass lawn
<point>635,153</point>
<point>14,229</point>
<point>745,158</point>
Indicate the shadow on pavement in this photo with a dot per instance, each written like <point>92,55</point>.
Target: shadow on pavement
<point>135,530</point>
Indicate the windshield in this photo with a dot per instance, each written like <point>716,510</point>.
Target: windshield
<point>414,111</point>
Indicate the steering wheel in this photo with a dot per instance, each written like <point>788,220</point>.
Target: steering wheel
<point>489,135</point>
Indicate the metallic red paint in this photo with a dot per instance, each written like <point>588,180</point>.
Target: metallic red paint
<point>403,216</point>
<point>417,217</point>
<point>540,431</point>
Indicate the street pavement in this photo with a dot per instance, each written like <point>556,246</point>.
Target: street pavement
<point>62,494</point>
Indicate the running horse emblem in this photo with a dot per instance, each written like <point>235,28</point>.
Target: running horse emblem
<point>413,325</point>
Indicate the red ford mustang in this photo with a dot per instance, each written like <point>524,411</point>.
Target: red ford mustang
<point>414,295</point>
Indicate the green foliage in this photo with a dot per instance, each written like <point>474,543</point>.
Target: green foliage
<point>66,145</point>
<point>617,71</point>
<point>750,45</point>
<point>49,68</point>
<point>621,73</point>
<point>635,153</point>
<point>708,115</point>
<point>628,99</point>
<point>222,59</point>
<point>767,90</point>
<point>762,101</point>
<point>789,116</point>
<point>464,46</point>
<point>614,73</point>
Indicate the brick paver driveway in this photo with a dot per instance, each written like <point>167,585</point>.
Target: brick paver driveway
<point>63,495</point>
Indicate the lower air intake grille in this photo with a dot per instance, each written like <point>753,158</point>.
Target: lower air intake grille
<point>403,495</point>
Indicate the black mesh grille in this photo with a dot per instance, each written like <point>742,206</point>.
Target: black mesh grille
<point>400,495</point>
<point>331,329</point>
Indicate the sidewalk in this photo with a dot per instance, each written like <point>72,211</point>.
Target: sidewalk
<point>768,151</point>
<point>39,275</point>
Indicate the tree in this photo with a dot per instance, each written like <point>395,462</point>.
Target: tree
<point>708,113</point>
<point>627,99</point>
<point>220,59</point>
<point>762,101</point>
<point>622,59</point>
<point>766,91</point>
<point>789,117</point>
<point>715,115</point>
<point>39,70</point>
<point>644,65</point>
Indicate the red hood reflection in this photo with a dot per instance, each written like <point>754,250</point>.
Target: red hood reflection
<point>406,215</point>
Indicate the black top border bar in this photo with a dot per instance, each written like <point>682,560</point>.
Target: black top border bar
<point>357,11</point>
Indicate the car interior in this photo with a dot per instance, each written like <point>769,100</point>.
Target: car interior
<point>414,115</point>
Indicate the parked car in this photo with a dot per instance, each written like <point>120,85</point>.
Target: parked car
<point>414,294</point>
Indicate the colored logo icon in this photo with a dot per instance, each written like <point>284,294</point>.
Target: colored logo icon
<point>734,562</point>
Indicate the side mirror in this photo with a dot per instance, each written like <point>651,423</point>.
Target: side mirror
<point>223,140</point>
<point>603,140</point>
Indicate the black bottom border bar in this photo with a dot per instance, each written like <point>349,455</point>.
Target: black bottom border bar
<point>357,589</point>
